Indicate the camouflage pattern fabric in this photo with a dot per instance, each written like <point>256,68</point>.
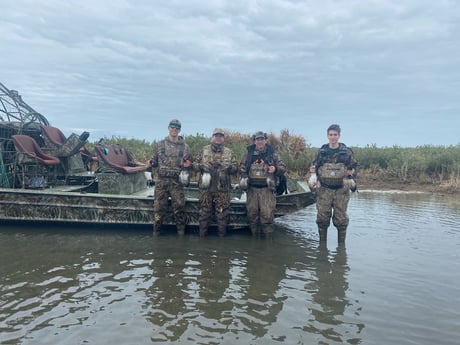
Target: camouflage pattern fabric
<point>261,202</point>
<point>220,202</point>
<point>220,162</point>
<point>328,199</point>
<point>168,157</point>
<point>70,147</point>
<point>260,206</point>
<point>167,160</point>
<point>166,187</point>
<point>267,155</point>
<point>335,197</point>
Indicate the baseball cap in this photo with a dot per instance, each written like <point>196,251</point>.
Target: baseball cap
<point>218,131</point>
<point>175,124</point>
<point>260,134</point>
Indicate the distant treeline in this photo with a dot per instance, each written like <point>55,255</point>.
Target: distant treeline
<point>424,164</point>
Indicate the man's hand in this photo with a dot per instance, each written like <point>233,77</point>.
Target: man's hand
<point>187,163</point>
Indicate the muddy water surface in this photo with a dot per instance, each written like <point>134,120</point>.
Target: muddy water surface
<point>395,282</point>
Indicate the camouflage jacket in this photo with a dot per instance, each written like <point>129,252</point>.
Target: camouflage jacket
<point>220,162</point>
<point>344,155</point>
<point>168,157</point>
<point>267,155</point>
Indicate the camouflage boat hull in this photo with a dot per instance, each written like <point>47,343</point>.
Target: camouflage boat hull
<point>74,207</point>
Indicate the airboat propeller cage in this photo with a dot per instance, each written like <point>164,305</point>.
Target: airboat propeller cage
<point>14,109</point>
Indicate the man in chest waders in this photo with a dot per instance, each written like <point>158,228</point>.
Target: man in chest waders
<point>170,156</point>
<point>260,169</point>
<point>216,164</point>
<point>334,167</point>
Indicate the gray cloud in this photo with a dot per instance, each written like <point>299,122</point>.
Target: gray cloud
<point>125,68</point>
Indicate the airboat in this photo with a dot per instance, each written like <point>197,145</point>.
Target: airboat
<point>49,178</point>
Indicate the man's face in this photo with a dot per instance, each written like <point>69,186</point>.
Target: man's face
<point>218,139</point>
<point>260,143</point>
<point>333,137</point>
<point>174,130</point>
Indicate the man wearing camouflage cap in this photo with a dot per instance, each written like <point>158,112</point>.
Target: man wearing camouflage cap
<point>261,166</point>
<point>216,163</point>
<point>170,156</point>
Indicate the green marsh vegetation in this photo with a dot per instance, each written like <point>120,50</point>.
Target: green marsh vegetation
<point>430,167</point>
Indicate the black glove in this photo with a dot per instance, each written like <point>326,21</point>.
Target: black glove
<point>227,168</point>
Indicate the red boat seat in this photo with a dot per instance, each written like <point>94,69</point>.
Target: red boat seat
<point>54,135</point>
<point>60,145</point>
<point>116,157</point>
<point>31,152</point>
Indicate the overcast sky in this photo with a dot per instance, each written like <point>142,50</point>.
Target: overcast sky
<point>387,71</point>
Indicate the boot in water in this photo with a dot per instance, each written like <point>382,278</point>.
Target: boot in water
<point>341,235</point>
<point>322,234</point>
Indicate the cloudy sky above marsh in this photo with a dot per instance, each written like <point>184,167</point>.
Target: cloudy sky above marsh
<point>387,71</point>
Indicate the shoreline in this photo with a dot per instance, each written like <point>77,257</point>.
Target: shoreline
<point>367,183</point>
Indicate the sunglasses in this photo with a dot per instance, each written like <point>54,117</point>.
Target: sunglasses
<point>173,125</point>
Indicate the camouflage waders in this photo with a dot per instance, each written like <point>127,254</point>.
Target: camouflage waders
<point>168,157</point>
<point>328,199</point>
<point>219,163</point>
<point>332,164</point>
<point>169,187</point>
<point>221,205</point>
<point>260,206</point>
<point>261,198</point>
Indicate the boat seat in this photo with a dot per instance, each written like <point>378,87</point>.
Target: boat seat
<point>35,166</point>
<point>30,152</point>
<point>117,158</point>
<point>72,152</point>
<point>53,135</point>
<point>60,145</point>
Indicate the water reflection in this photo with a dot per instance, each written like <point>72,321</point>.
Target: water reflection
<point>214,290</point>
<point>167,289</point>
<point>95,286</point>
<point>330,297</point>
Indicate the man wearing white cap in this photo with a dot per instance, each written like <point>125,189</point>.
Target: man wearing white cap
<point>216,163</point>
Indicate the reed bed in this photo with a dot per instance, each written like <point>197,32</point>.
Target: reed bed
<point>427,166</point>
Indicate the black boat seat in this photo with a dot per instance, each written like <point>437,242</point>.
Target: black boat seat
<point>30,152</point>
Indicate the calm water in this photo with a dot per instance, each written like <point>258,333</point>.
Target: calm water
<point>397,281</point>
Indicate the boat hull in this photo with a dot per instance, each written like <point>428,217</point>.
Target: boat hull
<point>78,208</point>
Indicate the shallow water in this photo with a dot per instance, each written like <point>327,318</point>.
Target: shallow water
<point>395,282</point>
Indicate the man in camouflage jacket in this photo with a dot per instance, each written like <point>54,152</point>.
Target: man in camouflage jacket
<point>216,164</point>
<point>334,166</point>
<point>170,156</point>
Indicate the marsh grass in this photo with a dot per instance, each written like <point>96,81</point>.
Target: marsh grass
<point>427,165</point>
